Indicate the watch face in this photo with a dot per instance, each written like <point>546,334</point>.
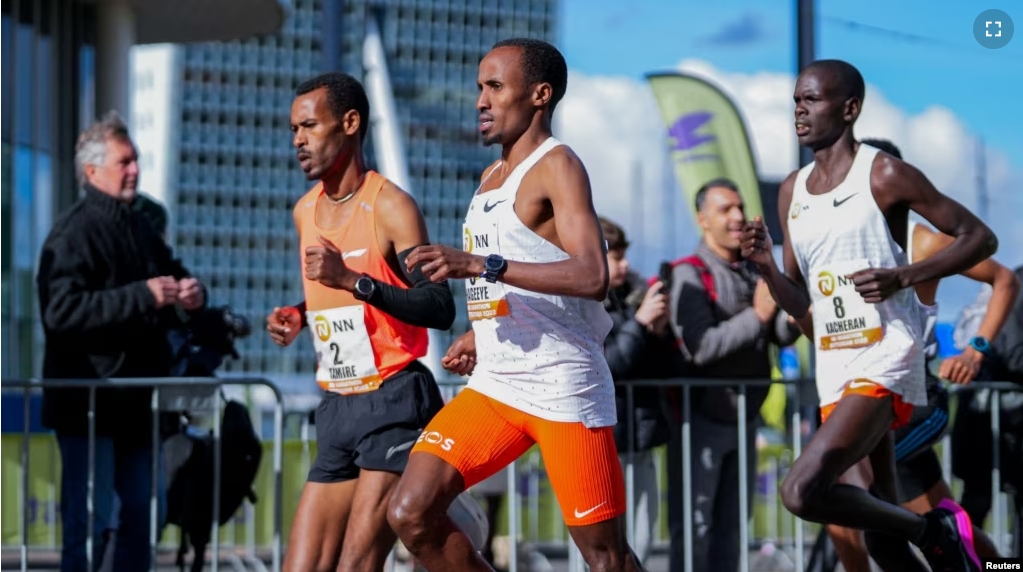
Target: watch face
<point>494,263</point>
<point>364,285</point>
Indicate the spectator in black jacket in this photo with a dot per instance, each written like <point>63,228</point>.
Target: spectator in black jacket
<point>109,290</point>
<point>639,346</point>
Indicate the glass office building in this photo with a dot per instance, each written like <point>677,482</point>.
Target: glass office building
<point>47,88</point>
<point>236,178</point>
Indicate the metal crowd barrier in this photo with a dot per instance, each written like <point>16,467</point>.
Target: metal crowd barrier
<point>169,394</point>
<point>795,402</point>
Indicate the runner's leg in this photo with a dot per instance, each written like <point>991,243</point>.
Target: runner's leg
<point>319,526</point>
<point>811,490</point>
<point>469,440</point>
<point>318,530</point>
<point>892,553</point>
<point>849,543</point>
<point>587,480</point>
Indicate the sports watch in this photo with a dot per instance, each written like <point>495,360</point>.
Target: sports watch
<point>493,265</point>
<point>364,288</point>
<point>981,344</point>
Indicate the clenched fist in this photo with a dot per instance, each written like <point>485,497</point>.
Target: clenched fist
<point>461,356</point>
<point>325,264</point>
<point>284,325</point>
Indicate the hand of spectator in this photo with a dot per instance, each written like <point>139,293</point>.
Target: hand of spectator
<point>763,303</point>
<point>284,324</point>
<point>191,294</point>
<point>165,289</point>
<point>461,356</point>
<point>963,368</point>
<point>653,311</point>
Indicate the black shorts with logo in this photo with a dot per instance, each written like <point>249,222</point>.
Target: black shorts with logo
<point>374,430</point>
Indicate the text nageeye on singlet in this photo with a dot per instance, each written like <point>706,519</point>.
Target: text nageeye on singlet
<point>484,300</point>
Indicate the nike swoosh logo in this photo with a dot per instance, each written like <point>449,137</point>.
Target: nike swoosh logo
<point>487,207</point>
<point>358,252</point>
<point>399,448</point>
<point>856,384</point>
<point>586,512</point>
<point>839,202</point>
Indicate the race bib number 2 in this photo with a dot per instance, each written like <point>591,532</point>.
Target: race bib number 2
<point>484,300</point>
<point>843,319</point>
<point>346,361</point>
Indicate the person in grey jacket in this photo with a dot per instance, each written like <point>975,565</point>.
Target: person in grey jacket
<point>725,333</point>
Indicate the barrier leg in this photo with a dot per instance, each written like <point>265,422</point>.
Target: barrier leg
<point>513,518</point>
<point>90,501</point>
<point>743,485</point>
<point>278,480</point>
<point>155,478</point>
<point>26,432</point>
<point>215,534</point>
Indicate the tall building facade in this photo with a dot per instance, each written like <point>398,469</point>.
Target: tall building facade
<point>218,151</point>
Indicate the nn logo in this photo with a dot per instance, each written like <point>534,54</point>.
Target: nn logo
<point>324,327</point>
<point>827,282</point>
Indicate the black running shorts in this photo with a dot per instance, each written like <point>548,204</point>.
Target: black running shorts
<point>374,430</point>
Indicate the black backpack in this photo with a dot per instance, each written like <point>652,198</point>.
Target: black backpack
<point>190,495</point>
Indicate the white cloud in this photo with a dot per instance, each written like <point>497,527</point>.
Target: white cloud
<point>613,123</point>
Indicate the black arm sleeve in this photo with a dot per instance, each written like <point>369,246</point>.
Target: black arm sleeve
<point>426,304</point>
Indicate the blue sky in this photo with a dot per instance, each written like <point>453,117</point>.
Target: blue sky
<point>919,53</point>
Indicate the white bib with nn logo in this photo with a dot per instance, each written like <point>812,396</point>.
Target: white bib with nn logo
<point>848,321</point>
<point>345,359</point>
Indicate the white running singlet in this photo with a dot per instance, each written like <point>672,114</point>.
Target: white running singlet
<point>834,235</point>
<point>539,353</point>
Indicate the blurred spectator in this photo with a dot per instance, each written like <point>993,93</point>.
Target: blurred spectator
<point>108,290</point>
<point>639,346</point>
<point>725,316</point>
<point>972,453</point>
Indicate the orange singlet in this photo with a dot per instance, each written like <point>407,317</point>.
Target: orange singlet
<point>357,345</point>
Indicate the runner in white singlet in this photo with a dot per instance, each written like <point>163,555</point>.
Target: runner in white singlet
<point>536,276</point>
<point>921,483</point>
<point>844,219</point>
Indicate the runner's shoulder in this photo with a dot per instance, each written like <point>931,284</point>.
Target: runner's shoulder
<point>556,164</point>
<point>395,207</point>
<point>308,199</point>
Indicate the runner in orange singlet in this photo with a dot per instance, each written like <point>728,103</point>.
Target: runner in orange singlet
<point>368,317</point>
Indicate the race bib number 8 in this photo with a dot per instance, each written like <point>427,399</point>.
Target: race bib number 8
<point>483,299</point>
<point>842,320</point>
<point>346,361</point>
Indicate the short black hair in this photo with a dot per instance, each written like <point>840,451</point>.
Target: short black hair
<point>344,93</point>
<point>541,63</point>
<point>720,182</point>
<point>850,80</point>
<point>884,145</point>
